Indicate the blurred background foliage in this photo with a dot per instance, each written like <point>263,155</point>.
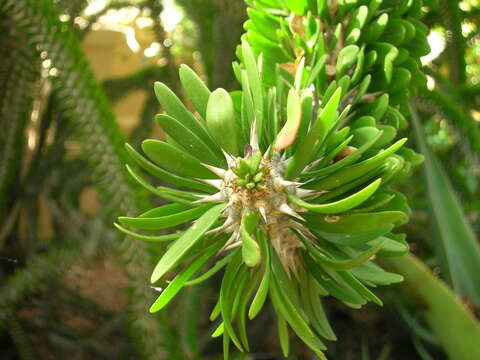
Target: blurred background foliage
<point>76,81</point>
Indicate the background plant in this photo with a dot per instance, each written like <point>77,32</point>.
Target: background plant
<point>32,267</point>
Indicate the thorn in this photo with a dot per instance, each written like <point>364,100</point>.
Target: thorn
<point>232,240</point>
<point>284,208</point>
<point>303,230</point>
<point>254,137</point>
<point>218,197</point>
<point>287,161</point>
<point>290,183</point>
<point>217,171</point>
<point>266,155</point>
<point>280,183</point>
<point>214,182</point>
<point>304,193</point>
<point>229,158</point>
<point>225,225</point>
<point>263,213</point>
<point>312,165</point>
<point>233,246</point>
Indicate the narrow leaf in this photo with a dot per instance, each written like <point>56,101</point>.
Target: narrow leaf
<point>165,175</point>
<point>314,138</point>
<point>221,122</point>
<point>341,205</point>
<point>195,88</point>
<point>175,108</point>
<point>179,281</point>
<point>149,238</point>
<point>458,244</point>
<point>288,134</point>
<point>190,141</point>
<point>186,241</point>
<point>163,222</point>
<point>175,160</point>
<point>354,223</point>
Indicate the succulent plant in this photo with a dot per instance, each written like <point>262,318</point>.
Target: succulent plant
<point>287,182</point>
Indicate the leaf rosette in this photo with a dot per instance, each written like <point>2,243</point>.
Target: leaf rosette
<point>286,183</point>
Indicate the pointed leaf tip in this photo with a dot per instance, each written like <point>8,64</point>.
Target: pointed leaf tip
<point>289,132</point>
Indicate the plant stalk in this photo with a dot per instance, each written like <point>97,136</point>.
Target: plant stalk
<point>453,323</point>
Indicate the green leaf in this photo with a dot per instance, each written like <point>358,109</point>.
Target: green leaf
<point>378,200</point>
<point>250,249</point>
<point>175,108</point>
<point>272,50</point>
<point>226,296</point>
<point>212,271</point>
<point>289,306</point>
<point>375,274</point>
<point>161,194</point>
<point>283,335</point>
<point>357,18</point>
<point>376,109</point>
<point>165,210</point>
<point>387,53</point>
<point>455,326</point>
<point>252,283</point>
<point>390,247</point>
<point>284,307</point>
<point>332,153</point>
<point>180,194</point>
<point>346,58</point>
<point>149,238</point>
<point>347,239</point>
<point>359,287</point>
<point>336,264</point>
<point>215,311</point>
<point>339,206</point>
<point>314,73</point>
<point>354,223</point>
<point>219,331</point>
<point>255,85</point>
<point>221,122</point>
<point>375,28</point>
<point>335,286</point>
<point>163,222</point>
<point>195,88</point>
<point>190,141</point>
<point>263,23</point>
<point>288,134</point>
<point>314,138</point>
<point>179,281</point>
<point>175,160</point>
<point>350,173</point>
<point>299,7</point>
<point>458,244</point>
<point>165,175</point>
<point>262,292</point>
<point>363,134</point>
<point>314,308</point>
<point>186,241</point>
<point>226,346</point>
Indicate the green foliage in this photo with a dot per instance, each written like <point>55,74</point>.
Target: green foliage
<point>454,325</point>
<point>270,195</point>
<point>460,251</point>
<point>325,90</point>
